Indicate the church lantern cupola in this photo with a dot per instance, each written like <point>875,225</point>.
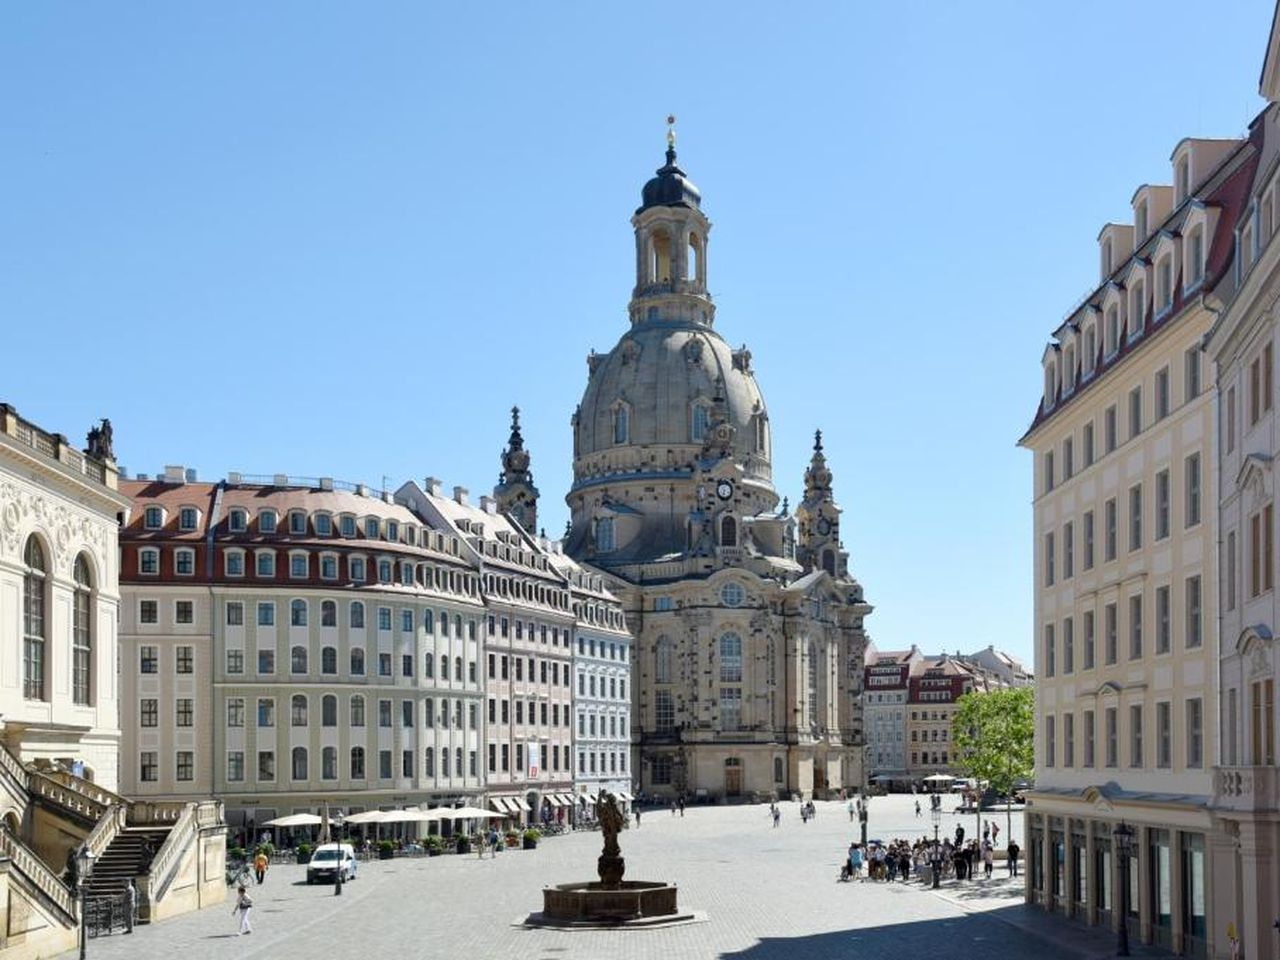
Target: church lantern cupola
<point>515,493</point>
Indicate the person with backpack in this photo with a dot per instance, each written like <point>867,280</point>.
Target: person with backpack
<point>244,905</point>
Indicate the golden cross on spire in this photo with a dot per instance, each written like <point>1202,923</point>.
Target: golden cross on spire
<point>671,130</point>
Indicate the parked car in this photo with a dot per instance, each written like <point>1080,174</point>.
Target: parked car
<point>328,858</point>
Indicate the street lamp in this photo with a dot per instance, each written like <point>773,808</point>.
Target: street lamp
<point>84,867</point>
<point>1123,837</point>
<point>935,813</point>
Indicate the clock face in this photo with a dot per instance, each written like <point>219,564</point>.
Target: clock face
<point>824,526</point>
<point>724,489</point>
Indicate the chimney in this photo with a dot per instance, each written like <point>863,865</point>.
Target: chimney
<point>191,474</point>
<point>460,495</point>
<point>326,483</point>
<point>233,477</point>
<point>361,490</point>
<point>280,480</point>
<point>142,476</point>
<point>174,474</point>
<point>432,486</point>
<point>488,504</point>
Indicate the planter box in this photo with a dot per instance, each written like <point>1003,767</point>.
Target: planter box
<point>464,846</point>
<point>433,851</point>
<point>386,854</point>
<point>530,844</point>
<point>304,857</point>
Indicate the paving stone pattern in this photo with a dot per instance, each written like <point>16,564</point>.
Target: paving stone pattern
<point>766,893</point>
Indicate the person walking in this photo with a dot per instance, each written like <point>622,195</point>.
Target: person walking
<point>637,818</point>
<point>260,864</point>
<point>130,905</point>
<point>681,801</point>
<point>988,858</point>
<point>244,905</point>
<point>917,809</point>
<point>1012,851</point>
<point>851,811</point>
<point>777,815</point>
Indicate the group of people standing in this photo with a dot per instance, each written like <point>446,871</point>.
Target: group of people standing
<point>901,860</point>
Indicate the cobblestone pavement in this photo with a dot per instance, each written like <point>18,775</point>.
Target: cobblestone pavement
<point>766,893</point>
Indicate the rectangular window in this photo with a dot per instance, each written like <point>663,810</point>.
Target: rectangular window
<point>1192,374</point>
<point>149,712</point>
<point>148,766</point>
<point>265,564</point>
<point>384,618</point>
<point>1164,735</point>
<point>1162,504</point>
<point>1068,646</point>
<point>1069,740</point>
<point>1162,393</point>
<point>234,560</point>
<point>406,713</point>
<point>384,713</point>
<point>1135,735</point>
<point>235,766</point>
<point>183,660</point>
<point>1267,385</point>
<point>1088,640</point>
<point>1109,428</point>
<point>148,659</point>
<point>1049,742</point>
<point>1048,471</point>
<point>1195,733</point>
<point>1109,633</point>
<point>266,765</point>
<point>235,661</point>
<point>266,712</point>
<point>266,614</point>
<point>1088,539</point>
<point>1164,631</point>
<point>266,661</point>
<point>148,611</point>
<point>1260,552</point>
<point>1113,735</point>
<point>184,712</point>
<point>1088,738</point>
<point>1135,517</point>
<point>1050,653</point>
<point>185,765</point>
<point>1109,539</point>
<point>1088,444</point>
<point>1195,627</point>
<point>1068,551</point>
<point>1135,627</point>
<point>384,764</point>
<point>1231,570</point>
<point>1135,412</point>
<point>235,711</point>
<point>1068,458</point>
<point>235,614</point>
<point>1048,559</point>
<point>1193,489</point>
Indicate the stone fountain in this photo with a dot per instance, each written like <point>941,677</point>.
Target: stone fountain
<point>610,901</point>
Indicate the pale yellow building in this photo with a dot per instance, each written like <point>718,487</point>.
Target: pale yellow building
<point>1126,578</point>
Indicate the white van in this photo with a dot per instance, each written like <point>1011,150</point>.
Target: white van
<point>328,858</point>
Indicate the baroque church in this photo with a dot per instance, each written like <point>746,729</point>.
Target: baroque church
<point>749,632</point>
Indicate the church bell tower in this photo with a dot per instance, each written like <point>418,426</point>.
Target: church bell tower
<point>818,519</point>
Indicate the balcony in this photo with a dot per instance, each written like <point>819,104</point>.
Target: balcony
<point>1246,789</point>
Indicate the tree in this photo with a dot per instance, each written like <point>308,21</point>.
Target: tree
<point>994,737</point>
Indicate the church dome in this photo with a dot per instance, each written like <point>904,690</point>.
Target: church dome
<point>670,188</point>
<point>671,381</point>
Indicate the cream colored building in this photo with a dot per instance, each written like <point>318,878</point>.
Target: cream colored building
<point>1126,578</point>
<point>1243,346</point>
<point>748,624</point>
<point>289,645</point>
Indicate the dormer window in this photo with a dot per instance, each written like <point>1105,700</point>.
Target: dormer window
<point>371,528</point>
<point>1107,261</point>
<point>237,521</point>
<point>1164,284</point>
<point>1193,271</point>
<point>1069,368</point>
<point>347,525</point>
<point>324,525</point>
<point>1140,222</point>
<point>1050,385</point>
<point>153,518</point>
<point>1182,178</point>
<point>393,531</point>
<point>267,521</point>
<point>297,522</point>
<point>411,536</point>
<point>188,517</point>
<point>1112,330</point>
<point>1137,309</point>
<point>1090,350</point>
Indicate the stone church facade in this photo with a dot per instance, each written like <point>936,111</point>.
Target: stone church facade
<point>748,662</point>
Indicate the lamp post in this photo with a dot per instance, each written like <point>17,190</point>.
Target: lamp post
<point>1123,837</point>
<point>935,813</point>
<point>84,867</point>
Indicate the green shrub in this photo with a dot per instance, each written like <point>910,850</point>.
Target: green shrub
<point>304,849</point>
<point>533,834</point>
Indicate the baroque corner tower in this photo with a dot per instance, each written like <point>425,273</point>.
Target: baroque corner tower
<point>515,493</point>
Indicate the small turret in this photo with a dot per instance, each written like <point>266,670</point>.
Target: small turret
<point>515,493</point>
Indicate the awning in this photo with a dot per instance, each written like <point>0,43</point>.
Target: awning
<point>623,795</point>
<point>567,798</point>
<point>518,804</point>
<point>554,799</point>
<point>499,804</point>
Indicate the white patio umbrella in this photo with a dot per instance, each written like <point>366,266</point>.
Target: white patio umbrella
<point>939,778</point>
<point>295,820</point>
<point>468,813</point>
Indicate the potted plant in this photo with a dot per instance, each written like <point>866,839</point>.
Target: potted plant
<point>236,853</point>
<point>513,838</point>
<point>531,838</point>
<point>463,843</point>
<point>304,852</point>
<point>386,849</point>
<point>434,844</point>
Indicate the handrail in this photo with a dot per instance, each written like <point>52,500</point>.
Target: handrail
<point>158,813</point>
<point>13,766</point>
<point>75,801</point>
<point>168,857</point>
<point>35,870</point>
<point>86,788</point>
<point>108,829</point>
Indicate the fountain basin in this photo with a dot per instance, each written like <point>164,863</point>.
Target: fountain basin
<point>630,900</point>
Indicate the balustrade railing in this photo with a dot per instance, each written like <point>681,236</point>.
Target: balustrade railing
<point>47,788</point>
<point>52,445</point>
<point>167,859</point>
<point>1253,789</point>
<point>38,874</point>
<point>108,829</point>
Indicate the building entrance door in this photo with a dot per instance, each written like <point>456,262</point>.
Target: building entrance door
<point>733,777</point>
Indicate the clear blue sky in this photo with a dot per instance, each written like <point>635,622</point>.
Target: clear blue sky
<point>343,239</point>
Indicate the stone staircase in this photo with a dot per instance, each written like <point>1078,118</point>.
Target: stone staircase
<point>128,856</point>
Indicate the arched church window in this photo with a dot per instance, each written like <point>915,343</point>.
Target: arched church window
<point>695,259</point>
<point>663,657</point>
<point>82,632</point>
<point>701,420</point>
<point>33,621</point>
<point>829,562</point>
<point>604,534</point>
<point>728,532</point>
<point>621,424</point>
<point>661,265</point>
<point>731,658</point>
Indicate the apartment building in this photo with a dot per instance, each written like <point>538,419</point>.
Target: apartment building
<point>884,711</point>
<point>1126,577</point>
<point>934,687</point>
<point>291,644</point>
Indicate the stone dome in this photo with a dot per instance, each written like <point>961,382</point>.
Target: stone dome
<point>659,371</point>
<point>670,188</point>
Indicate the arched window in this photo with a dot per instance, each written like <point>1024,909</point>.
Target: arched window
<point>329,711</point>
<point>701,420</point>
<point>328,613</point>
<point>298,613</point>
<point>428,621</point>
<point>660,266</point>
<point>829,561</point>
<point>728,532</point>
<point>457,761</point>
<point>329,763</point>
<point>298,659</point>
<point>298,710</point>
<point>730,658</point>
<point>82,633</point>
<point>444,623</point>
<point>357,661</point>
<point>777,770</point>
<point>34,629</point>
<point>457,668</point>
<point>429,763</point>
<point>663,657</point>
<point>696,267</point>
<point>457,626</point>
<point>444,667</point>
<point>604,534</point>
<point>357,615</point>
<point>357,711</point>
<point>357,763</point>
<point>621,424</point>
<point>1111,335</point>
<point>299,763</point>
<point>329,660</point>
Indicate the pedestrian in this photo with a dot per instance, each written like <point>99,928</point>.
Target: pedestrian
<point>917,809</point>
<point>777,816</point>
<point>988,858</point>
<point>851,811</point>
<point>637,817</point>
<point>681,804</point>
<point>986,829</point>
<point>244,904</point>
<point>1012,851</point>
<point>673,808</point>
<point>855,862</point>
<point>130,905</point>
<point>260,864</point>
<point>995,832</point>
